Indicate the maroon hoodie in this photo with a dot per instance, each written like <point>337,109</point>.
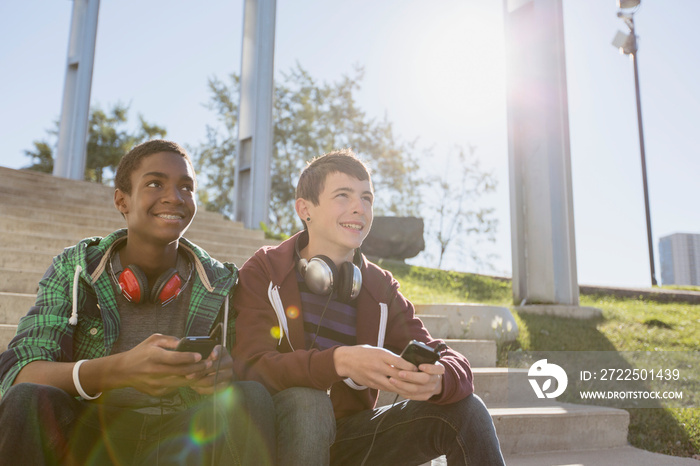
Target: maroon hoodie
<point>270,343</point>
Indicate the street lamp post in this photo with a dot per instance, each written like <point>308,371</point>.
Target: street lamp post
<point>628,45</point>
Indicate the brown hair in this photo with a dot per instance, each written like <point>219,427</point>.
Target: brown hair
<point>313,176</point>
<point>132,160</point>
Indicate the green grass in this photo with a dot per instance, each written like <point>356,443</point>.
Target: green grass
<point>432,286</point>
<point>681,287</point>
<point>626,325</point>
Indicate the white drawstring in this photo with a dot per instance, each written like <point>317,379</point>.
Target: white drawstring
<point>74,314</point>
<point>225,321</point>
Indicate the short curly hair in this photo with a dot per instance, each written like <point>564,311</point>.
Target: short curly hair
<point>313,176</point>
<point>132,160</point>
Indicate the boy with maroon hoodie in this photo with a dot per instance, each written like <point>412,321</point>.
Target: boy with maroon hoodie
<point>322,328</point>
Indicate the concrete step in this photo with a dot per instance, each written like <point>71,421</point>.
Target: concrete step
<point>20,280</point>
<point>13,258</point>
<point>52,211</point>
<point>501,386</point>
<point>27,180</point>
<point>112,219</point>
<point>14,305</point>
<point>564,426</point>
<point>487,384</point>
<point>7,332</point>
<point>624,455</point>
<point>22,225</point>
<point>438,326</point>
<point>40,241</point>
<point>87,194</point>
<point>480,353</point>
<point>474,321</point>
<point>26,280</point>
<point>17,258</point>
<point>236,251</point>
<point>52,244</point>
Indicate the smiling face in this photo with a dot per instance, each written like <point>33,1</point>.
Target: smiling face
<point>161,204</point>
<point>342,218</point>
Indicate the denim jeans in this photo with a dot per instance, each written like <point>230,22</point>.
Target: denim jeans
<point>305,427</point>
<point>411,432</point>
<point>415,432</point>
<point>45,425</point>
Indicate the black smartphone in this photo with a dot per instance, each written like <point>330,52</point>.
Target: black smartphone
<point>418,353</point>
<point>203,345</point>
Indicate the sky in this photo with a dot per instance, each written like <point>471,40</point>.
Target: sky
<point>435,68</point>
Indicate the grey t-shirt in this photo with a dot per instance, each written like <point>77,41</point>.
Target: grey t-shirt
<point>138,322</point>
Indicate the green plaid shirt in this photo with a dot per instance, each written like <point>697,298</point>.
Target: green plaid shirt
<point>46,334</point>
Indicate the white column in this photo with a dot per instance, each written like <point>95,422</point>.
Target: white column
<point>542,220</point>
<point>255,131</point>
<point>73,129</point>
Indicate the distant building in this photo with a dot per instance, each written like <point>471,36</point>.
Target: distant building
<point>680,259</point>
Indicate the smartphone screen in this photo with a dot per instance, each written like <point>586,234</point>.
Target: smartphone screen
<point>202,345</point>
<point>418,353</point>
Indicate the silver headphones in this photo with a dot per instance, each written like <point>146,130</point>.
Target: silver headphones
<point>323,277</point>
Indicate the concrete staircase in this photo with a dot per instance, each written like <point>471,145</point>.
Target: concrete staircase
<point>40,215</point>
<point>556,434</point>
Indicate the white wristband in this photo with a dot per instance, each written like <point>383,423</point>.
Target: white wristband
<point>76,382</point>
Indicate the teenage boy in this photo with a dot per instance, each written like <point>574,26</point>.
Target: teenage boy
<point>322,328</point>
<point>91,376</point>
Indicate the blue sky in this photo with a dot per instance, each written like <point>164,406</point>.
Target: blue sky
<point>435,68</point>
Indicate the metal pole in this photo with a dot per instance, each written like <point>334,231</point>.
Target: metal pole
<point>644,163</point>
<point>75,112</point>
<point>255,126</point>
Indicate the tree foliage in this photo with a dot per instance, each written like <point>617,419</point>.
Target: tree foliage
<point>456,213</point>
<point>108,140</point>
<point>310,118</point>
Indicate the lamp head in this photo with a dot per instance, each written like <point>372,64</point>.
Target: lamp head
<point>625,42</point>
<point>627,3</point>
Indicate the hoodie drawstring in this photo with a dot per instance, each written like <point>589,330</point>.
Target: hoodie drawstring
<point>74,314</point>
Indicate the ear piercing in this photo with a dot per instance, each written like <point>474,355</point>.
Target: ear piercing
<point>308,219</point>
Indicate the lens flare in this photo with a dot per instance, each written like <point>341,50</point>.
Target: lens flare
<point>276,332</point>
<point>292,312</point>
<point>200,429</point>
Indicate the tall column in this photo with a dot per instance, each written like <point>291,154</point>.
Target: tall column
<point>542,219</point>
<point>255,132</point>
<point>73,129</point>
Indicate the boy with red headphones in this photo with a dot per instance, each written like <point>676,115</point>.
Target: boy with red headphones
<point>91,376</point>
<point>322,328</point>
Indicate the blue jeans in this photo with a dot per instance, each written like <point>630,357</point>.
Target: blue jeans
<point>415,432</point>
<point>411,432</point>
<point>305,427</point>
<point>45,425</point>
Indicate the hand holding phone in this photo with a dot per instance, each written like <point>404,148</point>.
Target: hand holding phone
<point>203,345</point>
<point>418,353</point>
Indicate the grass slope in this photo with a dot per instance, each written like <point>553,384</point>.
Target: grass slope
<point>626,325</point>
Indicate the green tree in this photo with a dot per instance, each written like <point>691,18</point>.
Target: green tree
<point>215,159</point>
<point>108,140</point>
<point>456,213</point>
<point>310,118</point>
<point>41,155</point>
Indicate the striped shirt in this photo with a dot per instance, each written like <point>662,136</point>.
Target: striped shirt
<point>338,320</point>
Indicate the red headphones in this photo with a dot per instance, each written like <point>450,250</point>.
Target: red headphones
<point>133,284</point>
